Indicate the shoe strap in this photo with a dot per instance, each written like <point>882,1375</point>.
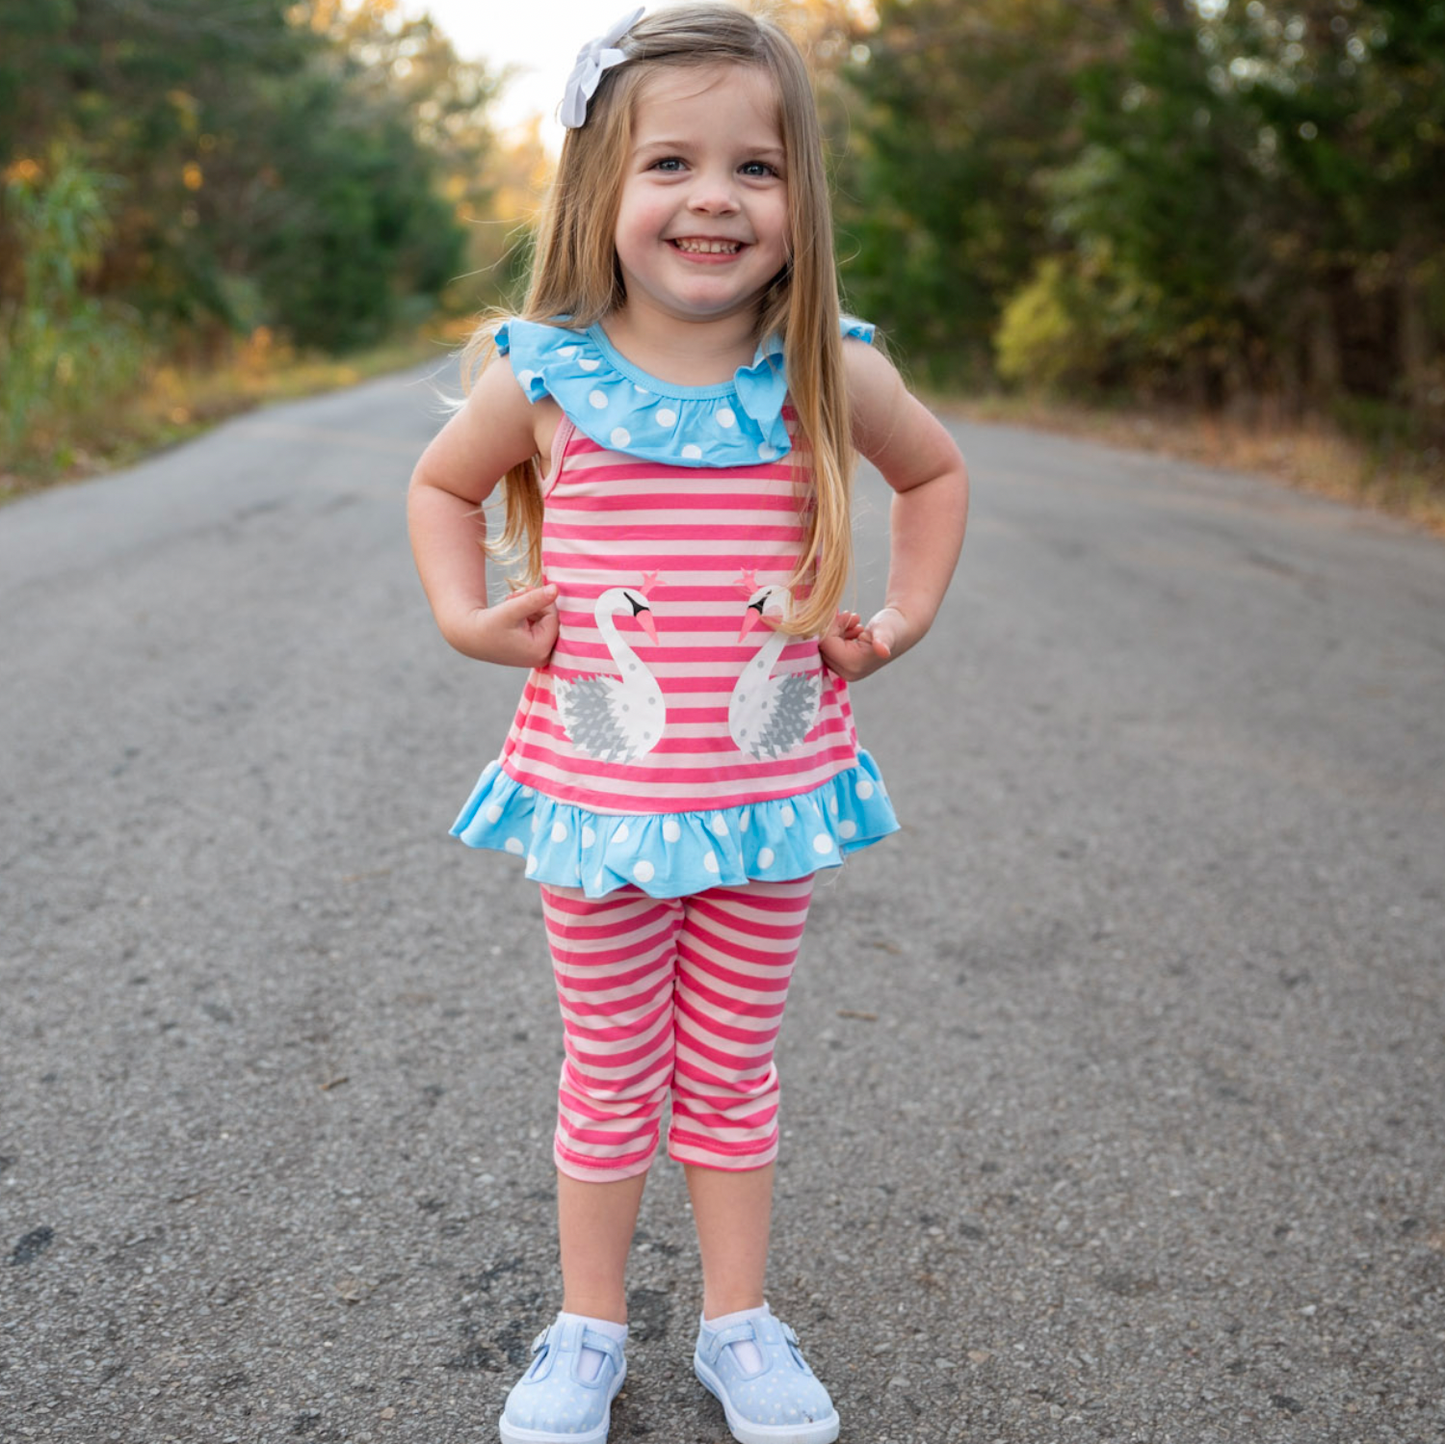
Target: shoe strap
<point>612,1348</point>
<point>539,1343</point>
<point>734,1334</point>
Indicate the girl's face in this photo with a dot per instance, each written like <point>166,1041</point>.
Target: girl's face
<point>703,223</point>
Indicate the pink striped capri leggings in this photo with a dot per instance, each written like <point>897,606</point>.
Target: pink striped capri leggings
<point>671,995</point>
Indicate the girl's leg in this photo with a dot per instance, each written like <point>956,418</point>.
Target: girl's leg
<point>595,1222</point>
<point>735,960</point>
<point>614,964</point>
<point>732,1212</point>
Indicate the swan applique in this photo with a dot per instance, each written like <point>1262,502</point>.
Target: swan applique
<point>616,719</point>
<point>769,715</point>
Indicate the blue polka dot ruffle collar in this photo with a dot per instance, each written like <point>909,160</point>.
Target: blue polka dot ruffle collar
<point>737,423</point>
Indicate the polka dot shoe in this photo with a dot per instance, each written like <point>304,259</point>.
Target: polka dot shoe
<point>777,1401</point>
<point>553,1403</point>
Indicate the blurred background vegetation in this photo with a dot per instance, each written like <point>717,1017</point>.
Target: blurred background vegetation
<point>1238,206</point>
<point>196,193</point>
<point>1214,208</point>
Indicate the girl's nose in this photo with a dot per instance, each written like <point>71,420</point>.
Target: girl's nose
<point>713,196</point>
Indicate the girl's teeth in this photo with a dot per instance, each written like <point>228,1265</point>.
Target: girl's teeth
<point>709,248</point>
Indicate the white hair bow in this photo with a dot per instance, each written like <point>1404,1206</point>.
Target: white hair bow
<point>593,58</point>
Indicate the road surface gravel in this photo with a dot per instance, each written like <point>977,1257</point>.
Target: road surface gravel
<point>1114,1087</point>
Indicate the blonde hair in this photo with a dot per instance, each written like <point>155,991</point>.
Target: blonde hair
<point>575,274</point>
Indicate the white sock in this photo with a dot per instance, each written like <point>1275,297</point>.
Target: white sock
<point>749,1357</point>
<point>590,1361</point>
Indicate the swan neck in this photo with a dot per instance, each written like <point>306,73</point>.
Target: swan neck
<point>616,643</point>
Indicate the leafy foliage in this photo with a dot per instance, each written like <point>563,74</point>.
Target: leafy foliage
<point>298,166</point>
<point>1223,199</point>
<point>59,347</point>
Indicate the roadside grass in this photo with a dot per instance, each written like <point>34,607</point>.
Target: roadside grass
<point>178,401</point>
<point>1310,456</point>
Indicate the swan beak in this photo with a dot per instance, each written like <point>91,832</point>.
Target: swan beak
<point>750,620</point>
<point>644,620</point>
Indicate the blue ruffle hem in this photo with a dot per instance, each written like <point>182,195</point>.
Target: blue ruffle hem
<point>677,854</point>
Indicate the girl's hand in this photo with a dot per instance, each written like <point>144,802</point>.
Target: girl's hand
<point>519,631</point>
<point>853,651</point>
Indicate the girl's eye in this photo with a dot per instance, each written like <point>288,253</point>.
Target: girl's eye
<point>757,168</point>
<point>669,163</point>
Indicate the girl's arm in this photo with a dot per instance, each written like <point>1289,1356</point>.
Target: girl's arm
<point>919,460</point>
<point>495,430</point>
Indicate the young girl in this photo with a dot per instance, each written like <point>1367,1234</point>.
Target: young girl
<point>674,416</point>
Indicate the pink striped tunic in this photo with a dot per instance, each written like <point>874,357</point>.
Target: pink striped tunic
<point>675,740</point>
<point>697,543</point>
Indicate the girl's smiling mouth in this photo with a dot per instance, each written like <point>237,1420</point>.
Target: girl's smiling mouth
<point>703,246</point>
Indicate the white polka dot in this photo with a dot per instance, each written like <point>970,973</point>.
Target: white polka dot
<point>529,792</point>
<point>766,452</point>
<point>725,418</point>
<point>671,831</point>
<point>622,833</point>
<point>598,399</point>
<point>719,827</point>
<point>692,452</point>
<point>745,820</point>
<point>710,862</point>
<point>515,847</point>
<point>588,836</point>
<point>833,806</point>
<point>864,789</point>
<point>526,377</point>
<point>848,829</point>
<point>665,417</point>
<point>643,871</point>
<point>559,832</point>
<point>531,865</point>
<point>536,822</point>
<point>823,843</point>
<point>566,352</point>
<point>589,363</point>
<point>620,436</point>
<point>765,857</point>
<point>787,814</point>
<point>494,812</point>
<point>641,390</point>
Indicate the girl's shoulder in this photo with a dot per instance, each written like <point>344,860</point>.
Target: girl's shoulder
<point>622,408</point>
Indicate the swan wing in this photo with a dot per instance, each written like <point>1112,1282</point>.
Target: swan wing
<point>794,710</point>
<point>610,720</point>
<point>585,707</point>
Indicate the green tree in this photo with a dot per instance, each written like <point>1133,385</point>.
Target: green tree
<point>59,347</point>
<point>958,113</point>
<point>1222,199</point>
<point>1166,216</point>
<point>277,162</point>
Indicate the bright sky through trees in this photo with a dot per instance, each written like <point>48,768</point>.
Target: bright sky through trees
<point>541,44</point>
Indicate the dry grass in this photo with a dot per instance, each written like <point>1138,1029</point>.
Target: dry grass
<point>181,401</point>
<point>1312,457</point>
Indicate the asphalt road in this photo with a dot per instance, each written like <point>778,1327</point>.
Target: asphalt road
<point>1114,1086</point>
